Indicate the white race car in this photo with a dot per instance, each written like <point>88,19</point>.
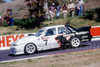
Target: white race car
<point>42,40</point>
<point>46,38</point>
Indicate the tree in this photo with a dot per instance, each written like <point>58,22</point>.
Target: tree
<point>36,6</point>
<point>36,9</point>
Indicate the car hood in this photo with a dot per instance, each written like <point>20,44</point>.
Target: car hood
<point>26,39</point>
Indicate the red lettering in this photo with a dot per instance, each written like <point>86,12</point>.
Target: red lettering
<point>8,41</point>
<point>21,36</point>
<point>2,41</point>
<point>15,38</point>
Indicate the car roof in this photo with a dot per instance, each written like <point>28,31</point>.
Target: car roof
<point>55,26</point>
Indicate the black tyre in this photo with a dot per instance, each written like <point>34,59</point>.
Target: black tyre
<point>30,48</point>
<point>75,42</point>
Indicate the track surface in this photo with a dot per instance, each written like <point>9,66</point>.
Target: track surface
<point>5,54</point>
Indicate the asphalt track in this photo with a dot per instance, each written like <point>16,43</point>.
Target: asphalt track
<point>6,56</point>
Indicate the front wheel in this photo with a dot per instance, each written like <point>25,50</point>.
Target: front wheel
<point>75,42</point>
<point>30,48</point>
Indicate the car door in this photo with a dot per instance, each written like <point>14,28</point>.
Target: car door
<point>49,38</point>
<point>65,32</point>
<point>52,37</point>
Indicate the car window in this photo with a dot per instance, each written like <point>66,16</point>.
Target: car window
<point>50,32</point>
<point>62,30</point>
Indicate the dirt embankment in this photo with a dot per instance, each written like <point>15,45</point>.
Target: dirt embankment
<point>18,7</point>
<point>92,4</point>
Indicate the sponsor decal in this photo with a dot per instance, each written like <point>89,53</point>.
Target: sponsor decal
<point>84,36</point>
<point>5,41</point>
<point>80,33</point>
<point>72,34</point>
<point>44,38</point>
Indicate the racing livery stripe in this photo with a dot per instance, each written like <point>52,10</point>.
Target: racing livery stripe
<point>58,40</point>
<point>68,37</point>
<point>58,43</point>
<point>95,31</point>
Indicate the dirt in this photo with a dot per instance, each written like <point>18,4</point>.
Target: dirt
<point>18,7</point>
<point>92,4</point>
<point>92,65</point>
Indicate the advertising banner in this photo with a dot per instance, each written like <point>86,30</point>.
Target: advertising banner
<point>5,41</point>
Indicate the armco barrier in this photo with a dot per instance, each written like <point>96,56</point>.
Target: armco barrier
<point>6,40</point>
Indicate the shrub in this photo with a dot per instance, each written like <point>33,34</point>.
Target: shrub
<point>17,21</point>
<point>4,24</point>
<point>92,13</point>
<point>89,14</point>
<point>25,23</point>
<point>97,11</point>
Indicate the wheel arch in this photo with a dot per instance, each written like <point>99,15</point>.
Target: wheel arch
<point>77,36</point>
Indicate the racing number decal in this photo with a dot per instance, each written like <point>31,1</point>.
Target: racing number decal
<point>45,39</point>
<point>46,42</point>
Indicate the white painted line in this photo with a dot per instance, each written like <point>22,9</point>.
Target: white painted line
<point>95,26</point>
<point>23,59</point>
<point>95,39</point>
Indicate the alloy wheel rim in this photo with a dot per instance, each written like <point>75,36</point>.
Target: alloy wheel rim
<point>75,42</point>
<point>30,48</point>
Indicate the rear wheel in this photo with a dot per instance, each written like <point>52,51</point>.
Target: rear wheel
<point>30,48</point>
<point>75,42</point>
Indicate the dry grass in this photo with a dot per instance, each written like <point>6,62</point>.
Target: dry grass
<point>15,30</point>
<point>76,59</point>
<point>75,22</point>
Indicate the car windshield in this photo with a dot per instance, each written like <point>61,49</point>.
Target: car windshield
<point>39,32</point>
